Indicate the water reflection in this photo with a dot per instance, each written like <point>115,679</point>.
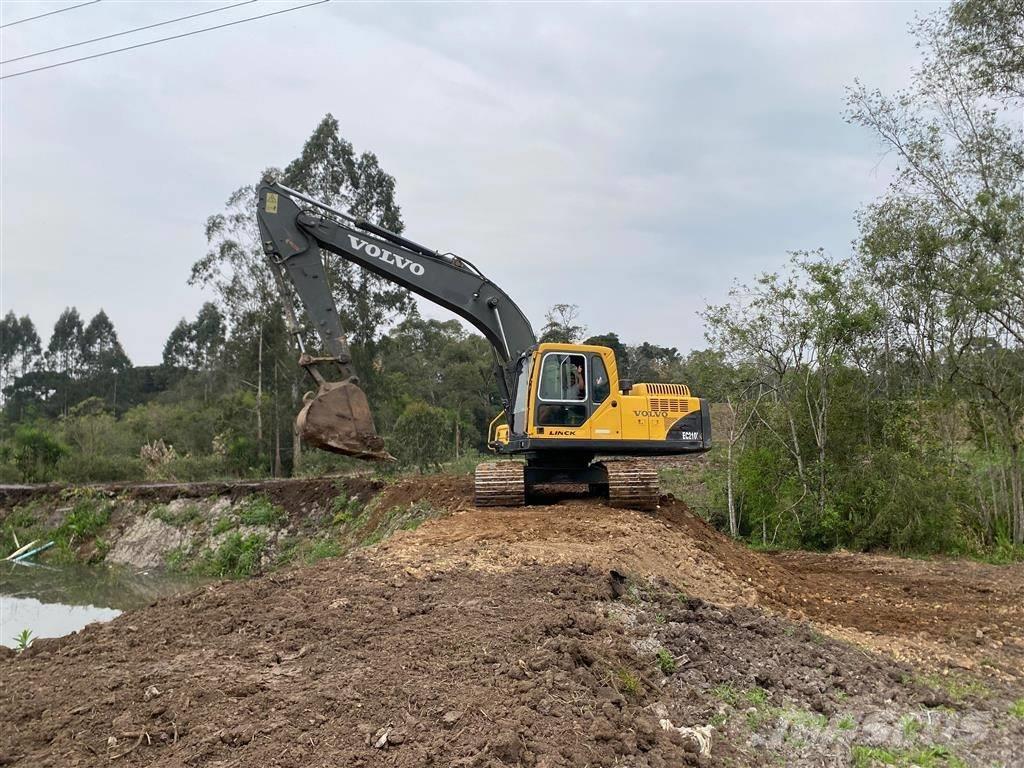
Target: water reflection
<point>52,602</point>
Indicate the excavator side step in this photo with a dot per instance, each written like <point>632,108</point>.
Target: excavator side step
<point>500,484</point>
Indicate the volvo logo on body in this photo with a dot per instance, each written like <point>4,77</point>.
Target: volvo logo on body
<point>376,252</point>
<point>656,414</point>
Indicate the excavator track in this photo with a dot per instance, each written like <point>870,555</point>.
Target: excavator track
<point>500,484</point>
<point>632,484</point>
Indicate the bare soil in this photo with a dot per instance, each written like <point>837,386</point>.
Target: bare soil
<point>567,634</point>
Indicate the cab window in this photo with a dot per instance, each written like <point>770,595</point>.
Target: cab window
<point>562,391</point>
<point>522,396</point>
<point>563,378</point>
<point>599,379</point>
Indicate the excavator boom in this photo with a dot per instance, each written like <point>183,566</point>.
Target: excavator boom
<point>294,229</point>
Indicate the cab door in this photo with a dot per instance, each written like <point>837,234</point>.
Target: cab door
<point>606,413</point>
<point>563,406</point>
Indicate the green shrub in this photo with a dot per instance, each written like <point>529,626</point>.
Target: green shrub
<point>344,510</point>
<point>423,436</point>
<point>259,510</point>
<point>237,557</point>
<point>87,518</point>
<point>9,473</point>
<point>35,453</point>
<point>190,469</point>
<point>666,662</point>
<point>321,548</point>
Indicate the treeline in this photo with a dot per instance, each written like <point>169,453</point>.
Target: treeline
<point>223,400</point>
<point>878,400</point>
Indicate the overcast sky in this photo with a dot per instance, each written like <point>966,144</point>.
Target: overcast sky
<point>631,159</point>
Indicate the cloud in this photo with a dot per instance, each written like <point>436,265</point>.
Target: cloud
<point>631,159</point>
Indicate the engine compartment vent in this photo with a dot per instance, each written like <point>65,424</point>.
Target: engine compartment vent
<point>670,404</point>
<point>668,389</point>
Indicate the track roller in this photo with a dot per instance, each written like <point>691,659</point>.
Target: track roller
<point>499,484</point>
<point>632,484</point>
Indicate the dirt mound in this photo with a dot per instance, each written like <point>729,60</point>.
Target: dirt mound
<point>359,663</point>
<point>937,613</point>
<point>671,544</point>
<point>350,665</point>
<point>567,634</point>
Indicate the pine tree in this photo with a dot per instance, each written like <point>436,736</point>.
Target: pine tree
<point>101,349</point>
<point>20,348</point>
<point>64,353</point>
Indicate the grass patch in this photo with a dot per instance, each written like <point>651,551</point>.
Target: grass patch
<point>758,697</point>
<point>322,548</point>
<point>87,517</point>
<point>400,518</point>
<point>758,712</point>
<point>179,519</point>
<point>344,510</point>
<point>754,700</point>
<point>918,757</point>
<point>726,693</point>
<point>237,557</point>
<point>911,726</point>
<point>307,551</point>
<point>627,682</point>
<point>223,525</point>
<point>845,723</point>
<point>19,528</point>
<point>666,662</point>
<point>805,718</point>
<point>956,687</point>
<point>259,510</point>
<point>1002,552</point>
<point>175,559</point>
<point>1017,709</point>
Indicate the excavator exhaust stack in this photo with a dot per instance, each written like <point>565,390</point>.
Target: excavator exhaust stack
<point>337,418</point>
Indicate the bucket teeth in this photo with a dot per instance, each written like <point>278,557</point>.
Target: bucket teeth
<point>500,484</point>
<point>632,484</point>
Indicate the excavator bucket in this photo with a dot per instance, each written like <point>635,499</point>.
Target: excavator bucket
<point>338,419</point>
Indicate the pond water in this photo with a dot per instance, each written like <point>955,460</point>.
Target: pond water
<point>54,601</point>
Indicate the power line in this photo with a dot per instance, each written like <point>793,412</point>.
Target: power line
<point>163,39</point>
<point>49,13</point>
<point>126,32</point>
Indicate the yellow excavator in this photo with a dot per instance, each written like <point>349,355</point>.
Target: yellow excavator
<point>566,414</point>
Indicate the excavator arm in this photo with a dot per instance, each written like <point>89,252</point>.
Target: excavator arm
<point>294,229</point>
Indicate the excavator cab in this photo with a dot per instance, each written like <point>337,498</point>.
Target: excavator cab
<point>569,398</point>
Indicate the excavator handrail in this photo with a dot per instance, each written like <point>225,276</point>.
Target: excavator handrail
<point>493,426</point>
